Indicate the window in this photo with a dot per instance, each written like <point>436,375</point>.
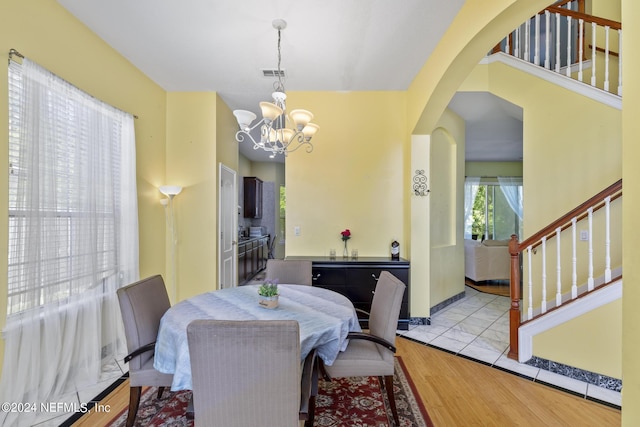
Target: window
<point>71,211</point>
<point>73,235</point>
<point>492,215</point>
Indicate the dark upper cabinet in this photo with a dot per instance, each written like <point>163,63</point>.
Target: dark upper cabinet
<point>252,197</point>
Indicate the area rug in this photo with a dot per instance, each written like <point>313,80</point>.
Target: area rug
<point>343,402</point>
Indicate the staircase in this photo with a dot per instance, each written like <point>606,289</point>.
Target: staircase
<point>553,262</point>
<point>564,39</point>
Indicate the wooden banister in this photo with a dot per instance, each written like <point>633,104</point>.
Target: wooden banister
<point>614,25</point>
<point>614,190</point>
<point>596,202</point>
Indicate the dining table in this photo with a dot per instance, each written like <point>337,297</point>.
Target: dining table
<point>325,318</point>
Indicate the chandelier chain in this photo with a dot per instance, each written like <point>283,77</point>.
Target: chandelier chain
<point>279,85</point>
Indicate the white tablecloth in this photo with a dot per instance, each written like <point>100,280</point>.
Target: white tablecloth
<point>325,319</point>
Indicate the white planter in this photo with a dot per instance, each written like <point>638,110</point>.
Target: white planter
<point>268,302</point>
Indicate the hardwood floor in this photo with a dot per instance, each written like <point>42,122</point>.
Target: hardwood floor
<point>460,392</point>
<point>495,287</point>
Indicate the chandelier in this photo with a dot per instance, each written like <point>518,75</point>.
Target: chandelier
<point>276,137</point>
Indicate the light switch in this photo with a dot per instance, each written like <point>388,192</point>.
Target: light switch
<point>296,230</point>
<point>584,235</point>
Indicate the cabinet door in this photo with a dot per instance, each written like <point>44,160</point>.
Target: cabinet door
<point>252,197</point>
<point>361,284</point>
<point>330,278</point>
<point>242,258</point>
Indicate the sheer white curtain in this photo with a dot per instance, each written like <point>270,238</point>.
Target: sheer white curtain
<point>512,189</point>
<point>471,186</point>
<point>73,236</point>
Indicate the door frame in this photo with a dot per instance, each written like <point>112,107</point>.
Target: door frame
<point>227,226</point>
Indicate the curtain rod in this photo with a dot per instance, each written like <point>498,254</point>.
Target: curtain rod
<point>13,52</point>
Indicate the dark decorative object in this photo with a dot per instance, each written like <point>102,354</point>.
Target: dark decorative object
<point>420,183</point>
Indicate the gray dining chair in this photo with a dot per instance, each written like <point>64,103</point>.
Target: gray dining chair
<point>372,353</point>
<point>248,373</point>
<point>142,304</point>
<point>289,271</point>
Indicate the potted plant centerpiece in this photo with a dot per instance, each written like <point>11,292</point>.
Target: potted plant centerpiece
<point>268,292</point>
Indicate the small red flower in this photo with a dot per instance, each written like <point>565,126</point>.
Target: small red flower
<point>346,234</point>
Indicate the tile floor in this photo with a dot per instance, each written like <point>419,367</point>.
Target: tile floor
<point>477,327</point>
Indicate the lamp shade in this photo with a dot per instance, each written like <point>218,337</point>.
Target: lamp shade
<point>310,129</point>
<point>301,118</point>
<point>270,111</point>
<point>245,118</point>
<point>287,135</point>
<point>170,190</point>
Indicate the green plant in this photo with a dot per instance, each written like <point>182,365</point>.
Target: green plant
<point>269,288</point>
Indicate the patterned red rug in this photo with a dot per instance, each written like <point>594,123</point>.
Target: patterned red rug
<point>343,402</point>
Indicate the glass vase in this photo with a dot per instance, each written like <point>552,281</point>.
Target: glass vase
<point>345,251</point>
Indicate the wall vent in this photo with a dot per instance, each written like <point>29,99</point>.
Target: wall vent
<point>272,72</point>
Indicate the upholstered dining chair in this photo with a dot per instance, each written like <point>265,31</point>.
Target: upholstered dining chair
<point>142,305</point>
<point>372,353</point>
<point>289,271</point>
<point>248,373</point>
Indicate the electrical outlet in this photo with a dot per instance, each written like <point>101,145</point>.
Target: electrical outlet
<point>296,230</point>
<point>584,235</point>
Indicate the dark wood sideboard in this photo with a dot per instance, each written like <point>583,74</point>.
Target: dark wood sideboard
<point>356,279</point>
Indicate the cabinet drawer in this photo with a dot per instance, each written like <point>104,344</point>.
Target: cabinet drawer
<point>330,278</point>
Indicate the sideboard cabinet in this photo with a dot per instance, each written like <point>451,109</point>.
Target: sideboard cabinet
<point>356,279</point>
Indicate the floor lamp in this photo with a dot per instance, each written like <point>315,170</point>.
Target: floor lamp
<point>170,191</point>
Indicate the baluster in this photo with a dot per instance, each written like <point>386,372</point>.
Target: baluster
<point>620,62</point>
<point>568,46</point>
<point>527,41</point>
<point>574,260</point>
<point>558,269</point>
<point>516,44</point>
<point>536,52</point>
<point>547,62</point>
<point>530,286</point>
<point>593,53</point>
<point>590,279</point>
<point>543,305</point>
<point>557,42</point>
<point>606,58</point>
<point>507,44</point>
<point>607,239</point>
<point>580,47</point>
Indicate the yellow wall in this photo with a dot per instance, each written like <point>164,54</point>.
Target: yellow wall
<point>446,275</point>
<point>192,163</point>
<point>226,144</point>
<point>578,148</point>
<point>47,34</point>
<point>585,342</point>
<point>354,177</point>
<point>631,207</point>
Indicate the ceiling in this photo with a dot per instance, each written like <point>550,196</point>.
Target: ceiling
<point>330,45</point>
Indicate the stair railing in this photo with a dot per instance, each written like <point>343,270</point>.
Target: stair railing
<point>551,239</point>
<point>557,39</point>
